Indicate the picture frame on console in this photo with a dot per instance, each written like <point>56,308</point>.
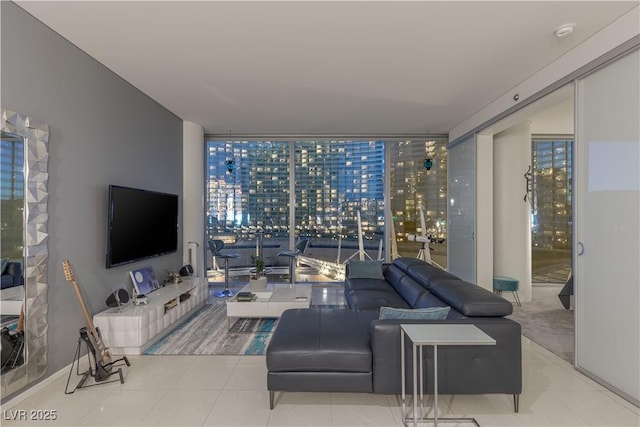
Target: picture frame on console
<point>144,281</point>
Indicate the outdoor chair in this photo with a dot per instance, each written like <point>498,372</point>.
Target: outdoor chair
<point>216,246</point>
<point>293,255</point>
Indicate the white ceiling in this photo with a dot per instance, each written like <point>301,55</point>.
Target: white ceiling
<point>326,67</point>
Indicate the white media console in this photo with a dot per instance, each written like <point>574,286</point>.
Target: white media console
<point>130,329</point>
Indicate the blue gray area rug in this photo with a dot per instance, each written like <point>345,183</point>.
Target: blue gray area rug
<point>206,332</point>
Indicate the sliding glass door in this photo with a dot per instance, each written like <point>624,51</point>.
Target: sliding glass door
<point>607,190</point>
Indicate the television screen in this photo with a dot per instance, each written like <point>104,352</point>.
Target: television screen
<point>142,224</point>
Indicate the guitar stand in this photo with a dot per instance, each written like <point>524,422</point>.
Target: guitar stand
<point>92,370</point>
<point>16,357</point>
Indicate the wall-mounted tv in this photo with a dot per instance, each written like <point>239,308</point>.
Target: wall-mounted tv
<point>141,224</point>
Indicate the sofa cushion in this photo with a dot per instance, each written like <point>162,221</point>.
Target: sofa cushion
<point>374,299</point>
<point>428,300</point>
<point>321,340</point>
<point>409,289</point>
<point>365,270</point>
<point>469,299</point>
<point>404,263</point>
<point>366,284</point>
<point>424,273</point>
<point>433,313</point>
<point>393,274</point>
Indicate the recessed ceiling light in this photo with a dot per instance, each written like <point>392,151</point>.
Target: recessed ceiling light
<point>564,30</point>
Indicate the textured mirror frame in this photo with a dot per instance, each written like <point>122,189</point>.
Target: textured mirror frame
<point>36,137</point>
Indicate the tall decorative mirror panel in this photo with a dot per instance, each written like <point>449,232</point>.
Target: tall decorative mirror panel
<point>24,194</point>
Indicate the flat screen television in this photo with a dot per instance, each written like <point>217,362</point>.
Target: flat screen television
<point>141,224</point>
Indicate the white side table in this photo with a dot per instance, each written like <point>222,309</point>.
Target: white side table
<point>434,334</point>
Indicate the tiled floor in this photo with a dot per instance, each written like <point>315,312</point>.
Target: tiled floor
<point>231,391</point>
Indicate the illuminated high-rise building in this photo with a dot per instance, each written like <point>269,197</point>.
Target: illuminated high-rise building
<point>248,187</point>
<point>419,181</point>
<point>552,201</point>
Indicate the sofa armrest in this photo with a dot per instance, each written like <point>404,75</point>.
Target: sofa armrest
<point>470,300</point>
<point>461,369</point>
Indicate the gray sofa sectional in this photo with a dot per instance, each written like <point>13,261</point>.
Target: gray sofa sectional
<point>334,350</point>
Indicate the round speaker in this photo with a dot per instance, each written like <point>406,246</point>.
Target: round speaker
<point>187,270</point>
<point>121,296</point>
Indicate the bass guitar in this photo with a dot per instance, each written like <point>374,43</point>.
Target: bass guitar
<point>91,335</point>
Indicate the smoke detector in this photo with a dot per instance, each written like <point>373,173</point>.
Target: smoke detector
<point>564,30</point>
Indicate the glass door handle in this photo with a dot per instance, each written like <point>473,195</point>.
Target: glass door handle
<point>580,249</point>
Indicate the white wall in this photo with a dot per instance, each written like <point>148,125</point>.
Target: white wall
<point>484,211</point>
<point>193,191</point>
<point>511,214</point>
<point>556,120</point>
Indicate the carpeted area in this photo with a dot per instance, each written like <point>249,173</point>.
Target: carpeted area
<point>546,322</point>
<point>206,332</point>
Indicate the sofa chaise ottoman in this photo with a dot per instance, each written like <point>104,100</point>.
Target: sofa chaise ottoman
<point>320,349</point>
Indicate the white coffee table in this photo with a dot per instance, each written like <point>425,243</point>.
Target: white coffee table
<point>271,302</point>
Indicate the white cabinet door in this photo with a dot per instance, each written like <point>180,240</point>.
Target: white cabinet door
<point>607,234</point>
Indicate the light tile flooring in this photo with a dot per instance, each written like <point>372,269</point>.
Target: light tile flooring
<point>232,391</point>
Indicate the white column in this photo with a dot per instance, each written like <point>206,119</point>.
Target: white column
<point>511,214</point>
<point>193,192</point>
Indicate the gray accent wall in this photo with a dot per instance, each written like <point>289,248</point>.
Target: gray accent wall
<point>103,131</point>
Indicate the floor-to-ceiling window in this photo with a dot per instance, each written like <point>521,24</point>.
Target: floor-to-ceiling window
<point>551,208</point>
<point>418,172</point>
<point>335,182</point>
<point>338,196</point>
<point>247,186</point>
